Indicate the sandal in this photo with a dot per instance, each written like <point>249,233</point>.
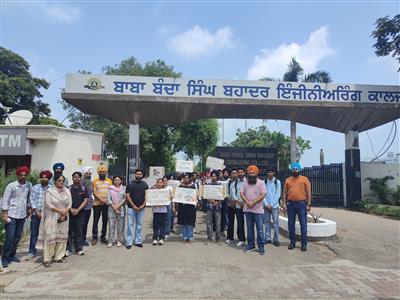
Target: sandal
<point>47,264</point>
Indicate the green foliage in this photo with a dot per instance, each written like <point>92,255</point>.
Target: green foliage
<point>18,88</point>
<point>49,121</point>
<point>380,189</point>
<point>262,137</point>
<point>382,210</point>
<point>387,35</point>
<point>396,195</point>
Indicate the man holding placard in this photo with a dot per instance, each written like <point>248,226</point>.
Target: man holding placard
<point>135,196</point>
<point>213,193</point>
<point>253,193</point>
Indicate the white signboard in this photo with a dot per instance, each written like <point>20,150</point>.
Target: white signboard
<point>185,195</point>
<point>157,172</point>
<point>214,163</point>
<point>184,166</point>
<point>174,183</point>
<point>151,181</point>
<point>225,184</point>
<point>213,192</point>
<point>156,197</point>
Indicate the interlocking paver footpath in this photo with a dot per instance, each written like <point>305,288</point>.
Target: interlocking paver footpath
<point>181,271</point>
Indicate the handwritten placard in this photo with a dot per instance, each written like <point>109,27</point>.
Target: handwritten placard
<point>156,197</point>
<point>157,172</point>
<point>186,196</point>
<point>151,181</point>
<point>225,185</point>
<point>214,192</point>
<point>174,183</point>
<point>184,166</point>
<point>214,163</point>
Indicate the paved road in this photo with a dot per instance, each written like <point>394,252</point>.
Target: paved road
<point>177,270</point>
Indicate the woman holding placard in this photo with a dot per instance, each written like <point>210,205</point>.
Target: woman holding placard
<point>186,213</point>
<point>159,218</point>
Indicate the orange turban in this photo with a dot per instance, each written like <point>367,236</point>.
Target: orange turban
<point>253,168</point>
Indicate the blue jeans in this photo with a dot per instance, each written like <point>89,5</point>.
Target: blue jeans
<point>137,218</point>
<point>298,208</point>
<point>167,229</point>
<point>257,219</point>
<point>12,236</point>
<point>35,223</point>
<point>187,232</point>
<point>274,213</point>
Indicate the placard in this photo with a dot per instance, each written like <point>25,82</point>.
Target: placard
<point>184,166</point>
<point>173,183</point>
<point>156,197</point>
<point>185,195</point>
<point>214,192</point>
<point>215,163</point>
<point>225,184</point>
<point>157,172</point>
<point>151,181</point>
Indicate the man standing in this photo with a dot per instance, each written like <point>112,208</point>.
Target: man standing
<point>271,207</point>
<point>224,203</point>
<point>253,193</point>
<point>14,208</point>
<point>88,184</point>
<point>58,168</point>
<point>100,192</point>
<point>79,197</point>
<point>235,206</point>
<point>36,198</point>
<point>296,200</point>
<point>213,213</point>
<point>135,196</point>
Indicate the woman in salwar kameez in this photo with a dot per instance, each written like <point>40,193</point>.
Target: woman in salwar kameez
<point>53,231</point>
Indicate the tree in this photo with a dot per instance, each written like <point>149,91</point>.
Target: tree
<point>387,35</point>
<point>158,144</point>
<point>262,137</point>
<point>18,88</point>
<point>379,187</point>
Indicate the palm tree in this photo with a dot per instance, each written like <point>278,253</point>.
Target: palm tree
<point>295,73</point>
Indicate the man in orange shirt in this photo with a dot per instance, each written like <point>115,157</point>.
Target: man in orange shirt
<point>296,200</point>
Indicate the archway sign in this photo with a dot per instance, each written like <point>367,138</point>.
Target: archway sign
<point>149,101</point>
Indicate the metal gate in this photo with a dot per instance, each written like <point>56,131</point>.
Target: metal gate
<point>326,184</point>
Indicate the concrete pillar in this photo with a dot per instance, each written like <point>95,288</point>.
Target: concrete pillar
<point>293,144</point>
<point>352,168</point>
<point>133,151</point>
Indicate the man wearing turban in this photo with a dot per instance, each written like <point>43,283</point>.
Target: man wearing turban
<point>14,207</point>
<point>100,206</point>
<point>253,192</point>
<point>296,199</point>
<point>58,168</point>
<point>36,198</point>
<point>88,184</point>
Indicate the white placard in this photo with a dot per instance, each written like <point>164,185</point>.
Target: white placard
<point>185,195</point>
<point>214,163</point>
<point>213,192</point>
<point>157,172</point>
<point>151,181</point>
<point>155,197</point>
<point>225,184</point>
<point>174,183</point>
<point>184,166</point>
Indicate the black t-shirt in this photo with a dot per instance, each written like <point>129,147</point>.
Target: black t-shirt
<point>78,194</point>
<point>137,190</point>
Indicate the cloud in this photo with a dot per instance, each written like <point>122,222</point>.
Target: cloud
<point>273,62</point>
<point>60,12</point>
<point>199,41</point>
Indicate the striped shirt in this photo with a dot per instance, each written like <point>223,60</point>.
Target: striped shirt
<point>100,187</point>
<point>16,199</point>
<point>37,196</point>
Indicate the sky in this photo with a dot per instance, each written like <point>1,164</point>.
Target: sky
<point>210,40</point>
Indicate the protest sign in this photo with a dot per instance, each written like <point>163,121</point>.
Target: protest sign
<point>214,192</point>
<point>214,163</point>
<point>184,166</point>
<point>157,172</point>
<point>155,197</point>
<point>185,195</point>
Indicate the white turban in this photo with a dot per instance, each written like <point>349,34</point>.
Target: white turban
<point>87,169</point>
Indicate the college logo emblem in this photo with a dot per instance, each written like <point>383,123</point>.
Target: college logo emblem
<point>94,84</point>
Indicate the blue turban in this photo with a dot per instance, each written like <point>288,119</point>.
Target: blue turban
<point>58,166</point>
<point>295,165</point>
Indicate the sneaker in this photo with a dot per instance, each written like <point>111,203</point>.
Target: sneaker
<point>240,244</point>
<point>128,247</point>
<point>139,245</point>
<point>14,259</point>
<point>181,235</point>
<point>167,237</point>
<point>5,262</point>
<point>119,244</point>
<point>276,244</point>
<point>261,251</point>
<point>249,249</point>
<point>161,242</point>
<point>67,253</point>
<point>103,241</point>
<point>228,241</point>
<point>30,256</point>
<point>110,245</point>
<point>80,253</point>
<point>155,242</point>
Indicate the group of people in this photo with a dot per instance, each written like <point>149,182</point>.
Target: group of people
<point>60,212</point>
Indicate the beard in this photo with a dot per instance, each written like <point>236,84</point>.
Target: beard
<point>138,178</point>
<point>252,179</point>
<point>102,176</point>
<point>295,174</point>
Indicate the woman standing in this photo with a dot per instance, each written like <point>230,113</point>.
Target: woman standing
<point>53,231</point>
<point>159,218</point>
<point>116,213</point>
<point>186,212</point>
